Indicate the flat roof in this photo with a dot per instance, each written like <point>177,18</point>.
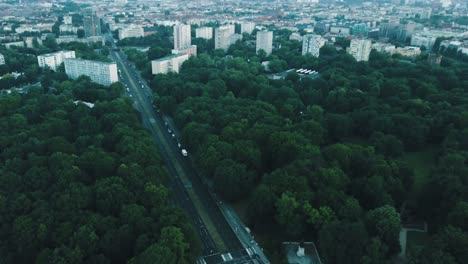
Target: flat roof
<point>92,61</point>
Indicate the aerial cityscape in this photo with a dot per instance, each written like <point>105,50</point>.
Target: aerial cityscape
<point>234,131</point>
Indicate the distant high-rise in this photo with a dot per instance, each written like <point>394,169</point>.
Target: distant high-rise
<point>223,37</point>
<point>2,59</point>
<point>92,25</point>
<point>204,32</point>
<point>264,41</point>
<point>360,49</point>
<point>182,36</point>
<point>53,60</point>
<point>247,27</point>
<point>311,44</point>
<point>103,73</point>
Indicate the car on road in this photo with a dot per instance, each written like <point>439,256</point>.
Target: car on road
<point>170,131</point>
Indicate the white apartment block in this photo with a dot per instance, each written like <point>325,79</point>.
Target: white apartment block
<point>2,59</point>
<point>53,60</point>
<point>421,39</point>
<point>311,44</point>
<point>191,50</point>
<point>247,27</point>
<point>204,32</point>
<point>264,41</point>
<point>360,49</point>
<point>222,37</point>
<point>67,20</point>
<point>182,36</point>
<point>232,28</point>
<point>103,73</point>
<point>131,32</point>
<point>168,64</point>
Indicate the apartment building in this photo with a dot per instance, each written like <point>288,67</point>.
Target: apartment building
<point>204,32</point>
<point>360,49</point>
<point>168,64</point>
<point>131,32</point>
<point>53,60</point>
<point>311,44</point>
<point>264,41</point>
<point>103,73</point>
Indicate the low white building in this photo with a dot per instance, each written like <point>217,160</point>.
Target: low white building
<point>190,50</point>
<point>168,64</point>
<point>103,73</point>
<point>19,44</point>
<point>53,60</point>
<point>131,32</point>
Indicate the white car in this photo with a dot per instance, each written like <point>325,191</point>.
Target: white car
<point>184,153</point>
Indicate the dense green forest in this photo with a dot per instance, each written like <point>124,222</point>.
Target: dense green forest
<point>325,159</point>
<point>83,184</point>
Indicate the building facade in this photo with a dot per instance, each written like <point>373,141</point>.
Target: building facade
<point>264,41</point>
<point>421,39</point>
<point>360,49</point>
<point>131,32</point>
<point>182,36</point>
<point>92,25</point>
<point>191,51</point>
<point>2,59</point>
<point>168,64</point>
<point>247,27</point>
<point>204,32</point>
<point>103,73</point>
<point>311,44</point>
<point>222,37</point>
<point>53,60</point>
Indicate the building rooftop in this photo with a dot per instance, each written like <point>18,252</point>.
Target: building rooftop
<point>93,61</point>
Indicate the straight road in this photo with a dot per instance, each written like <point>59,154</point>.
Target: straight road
<point>215,233</point>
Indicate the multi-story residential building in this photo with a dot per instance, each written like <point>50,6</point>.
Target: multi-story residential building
<point>2,59</point>
<point>264,41</point>
<point>68,28</point>
<point>247,27</point>
<point>232,28</point>
<point>103,73</point>
<point>204,32</point>
<point>407,51</point>
<point>53,60</point>
<point>360,49</point>
<point>13,44</point>
<point>168,64</point>
<point>92,25</point>
<point>311,44</point>
<point>222,37</point>
<point>67,20</point>
<point>182,36</point>
<point>422,39</point>
<point>191,50</point>
<point>131,32</point>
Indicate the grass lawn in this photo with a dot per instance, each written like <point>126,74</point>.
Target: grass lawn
<point>422,163</point>
<point>415,240</point>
